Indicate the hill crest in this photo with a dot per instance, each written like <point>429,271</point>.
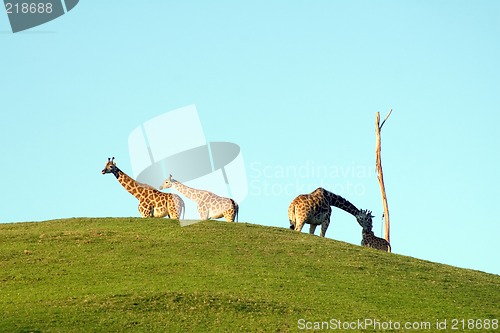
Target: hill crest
<point>119,274</point>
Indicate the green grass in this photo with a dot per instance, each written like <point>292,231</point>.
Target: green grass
<point>151,275</point>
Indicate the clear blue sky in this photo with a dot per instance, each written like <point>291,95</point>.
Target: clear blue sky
<point>296,84</point>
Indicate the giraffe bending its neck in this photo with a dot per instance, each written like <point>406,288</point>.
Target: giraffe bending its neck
<point>339,202</point>
<point>315,209</point>
<point>210,205</point>
<point>152,203</point>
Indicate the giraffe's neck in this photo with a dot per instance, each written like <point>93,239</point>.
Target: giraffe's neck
<point>367,233</point>
<point>129,183</point>
<point>339,202</point>
<point>189,192</point>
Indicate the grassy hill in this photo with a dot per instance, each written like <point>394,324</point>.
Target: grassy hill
<point>151,275</point>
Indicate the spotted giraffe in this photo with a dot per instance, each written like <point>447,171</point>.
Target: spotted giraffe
<point>370,240</point>
<point>315,209</point>
<point>152,203</point>
<point>210,205</point>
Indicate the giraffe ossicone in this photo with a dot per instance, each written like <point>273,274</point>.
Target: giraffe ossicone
<point>315,209</point>
<point>152,203</point>
<point>365,218</point>
<point>210,205</point>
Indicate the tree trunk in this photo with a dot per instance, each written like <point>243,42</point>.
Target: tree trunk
<point>380,174</point>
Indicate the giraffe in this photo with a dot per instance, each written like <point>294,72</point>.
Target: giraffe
<point>370,240</point>
<point>152,203</point>
<point>210,205</point>
<point>315,209</point>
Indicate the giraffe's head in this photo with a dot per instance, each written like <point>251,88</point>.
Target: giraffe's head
<point>110,166</point>
<point>365,219</point>
<point>167,183</point>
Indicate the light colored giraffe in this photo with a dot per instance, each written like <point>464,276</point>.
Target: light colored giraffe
<point>210,205</point>
<point>315,209</point>
<point>370,240</point>
<point>152,203</point>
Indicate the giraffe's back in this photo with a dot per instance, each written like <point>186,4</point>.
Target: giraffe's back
<point>310,209</point>
<point>218,206</point>
<point>370,240</point>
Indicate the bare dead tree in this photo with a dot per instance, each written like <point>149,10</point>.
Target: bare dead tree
<point>380,174</point>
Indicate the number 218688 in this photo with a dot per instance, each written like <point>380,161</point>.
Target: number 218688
<point>28,8</point>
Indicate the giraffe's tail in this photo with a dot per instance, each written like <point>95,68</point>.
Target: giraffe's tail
<point>236,209</point>
<point>183,209</point>
<point>291,215</point>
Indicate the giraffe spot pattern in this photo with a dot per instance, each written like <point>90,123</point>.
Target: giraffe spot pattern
<point>209,204</point>
<point>151,201</point>
<point>370,240</point>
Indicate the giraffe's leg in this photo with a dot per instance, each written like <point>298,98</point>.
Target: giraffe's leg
<point>161,211</point>
<point>229,215</point>
<point>203,212</point>
<point>160,207</point>
<point>174,211</point>
<point>181,209</point>
<point>299,224</point>
<point>312,228</point>
<point>324,226</point>
<point>297,216</point>
<point>291,215</point>
<point>174,215</point>
<point>145,209</point>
